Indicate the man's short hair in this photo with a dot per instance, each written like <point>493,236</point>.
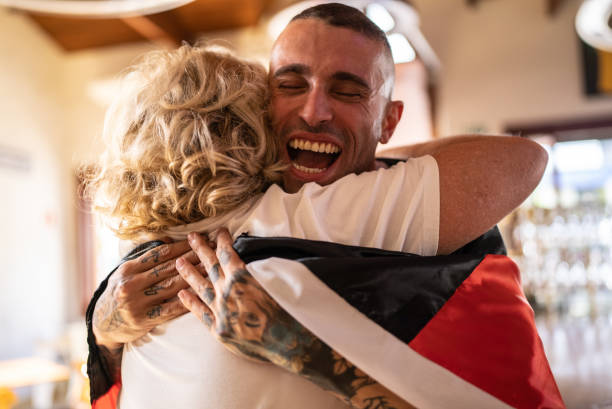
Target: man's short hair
<point>341,15</point>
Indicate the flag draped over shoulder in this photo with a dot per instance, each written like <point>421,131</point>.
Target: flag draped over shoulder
<point>443,331</point>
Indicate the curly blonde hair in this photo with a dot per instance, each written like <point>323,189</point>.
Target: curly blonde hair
<point>186,140</point>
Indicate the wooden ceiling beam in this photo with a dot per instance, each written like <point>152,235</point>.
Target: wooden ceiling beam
<point>164,28</point>
<point>169,28</point>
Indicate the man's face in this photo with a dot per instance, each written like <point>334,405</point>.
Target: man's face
<point>328,94</point>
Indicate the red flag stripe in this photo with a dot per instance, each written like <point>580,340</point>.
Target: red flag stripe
<point>486,334</point>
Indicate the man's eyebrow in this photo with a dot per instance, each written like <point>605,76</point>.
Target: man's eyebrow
<point>347,76</point>
<point>299,69</point>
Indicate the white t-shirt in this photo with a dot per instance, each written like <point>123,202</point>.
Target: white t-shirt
<point>181,365</point>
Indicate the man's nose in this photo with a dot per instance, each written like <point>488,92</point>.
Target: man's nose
<point>317,108</point>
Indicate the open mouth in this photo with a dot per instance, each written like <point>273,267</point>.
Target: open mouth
<point>312,157</point>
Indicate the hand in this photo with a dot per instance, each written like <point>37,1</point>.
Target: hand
<point>140,295</point>
<point>238,311</point>
<point>247,321</point>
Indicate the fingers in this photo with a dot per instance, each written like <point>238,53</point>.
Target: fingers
<point>230,262</point>
<point>163,312</point>
<point>158,255</point>
<point>201,246</point>
<point>165,289</point>
<point>197,307</point>
<point>160,277</point>
<point>166,269</point>
<point>201,285</point>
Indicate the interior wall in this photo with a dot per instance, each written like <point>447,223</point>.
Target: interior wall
<point>36,223</point>
<point>416,124</point>
<point>51,122</point>
<point>504,62</point>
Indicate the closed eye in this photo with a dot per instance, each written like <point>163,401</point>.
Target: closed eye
<point>287,86</point>
<point>349,96</point>
<point>290,88</point>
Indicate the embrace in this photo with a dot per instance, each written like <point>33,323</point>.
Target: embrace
<point>205,148</point>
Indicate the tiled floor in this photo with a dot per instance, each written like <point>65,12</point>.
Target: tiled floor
<point>580,354</point>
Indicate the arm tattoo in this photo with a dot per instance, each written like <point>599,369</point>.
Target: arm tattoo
<point>269,333</point>
<point>107,316</point>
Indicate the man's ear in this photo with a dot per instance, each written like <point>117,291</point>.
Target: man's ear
<point>393,115</point>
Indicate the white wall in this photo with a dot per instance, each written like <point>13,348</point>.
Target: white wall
<point>415,125</point>
<point>47,116</point>
<point>34,300</point>
<point>506,61</point>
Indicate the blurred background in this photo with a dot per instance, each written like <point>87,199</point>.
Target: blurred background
<point>541,69</point>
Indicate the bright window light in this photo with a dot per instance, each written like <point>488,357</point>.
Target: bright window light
<point>380,16</point>
<point>578,156</point>
<point>400,48</point>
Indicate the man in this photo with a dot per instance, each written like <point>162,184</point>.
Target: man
<point>331,78</point>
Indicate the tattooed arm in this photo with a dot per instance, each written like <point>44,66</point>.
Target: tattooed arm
<point>247,321</point>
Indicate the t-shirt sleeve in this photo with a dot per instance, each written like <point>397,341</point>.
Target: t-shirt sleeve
<point>395,209</point>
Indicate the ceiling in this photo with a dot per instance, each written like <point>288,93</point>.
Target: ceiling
<point>170,28</point>
<point>166,28</point>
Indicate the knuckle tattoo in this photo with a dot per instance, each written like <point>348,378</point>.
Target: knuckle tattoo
<point>207,319</point>
<point>153,255</point>
<point>224,256</point>
<point>209,295</point>
<point>213,274</point>
<point>153,290</point>
<point>160,269</point>
<point>154,312</point>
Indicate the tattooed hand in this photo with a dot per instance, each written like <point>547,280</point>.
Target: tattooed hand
<point>247,321</point>
<point>141,294</point>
